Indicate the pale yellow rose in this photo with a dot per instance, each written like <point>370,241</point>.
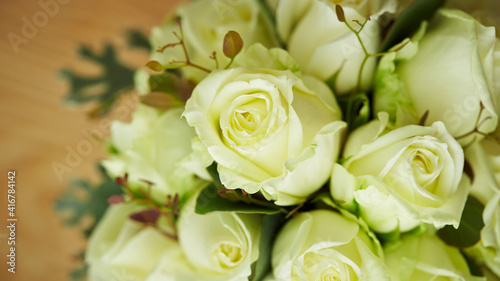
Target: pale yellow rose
<point>325,47</point>
<point>323,245</point>
<point>450,69</point>
<point>398,179</point>
<point>268,130</point>
<point>219,246</point>
<point>122,249</point>
<point>426,257</point>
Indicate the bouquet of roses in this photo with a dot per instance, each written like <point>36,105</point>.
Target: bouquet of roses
<point>308,140</point>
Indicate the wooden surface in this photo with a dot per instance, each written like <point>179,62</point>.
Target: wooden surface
<point>37,128</point>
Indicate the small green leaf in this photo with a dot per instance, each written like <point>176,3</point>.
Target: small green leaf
<point>160,100</point>
<point>270,227</point>
<point>81,200</point>
<point>171,83</point>
<point>212,170</point>
<point>232,44</point>
<point>468,232</point>
<point>409,21</point>
<point>357,110</point>
<point>340,13</point>
<point>155,66</point>
<point>209,200</point>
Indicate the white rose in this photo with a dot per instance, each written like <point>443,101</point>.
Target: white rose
<point>204,24</point>
<point>216,246</point>
<point>323,245</point>
<point>323,46</point>
<point>484,159</point>
<point>426,257</point>
<point>397,180</point>
<point>122,249</point>
<point>449,70</point>
<point>268,130</point>
<point>155,146</point>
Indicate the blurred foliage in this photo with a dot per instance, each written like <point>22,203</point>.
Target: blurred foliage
<point>114,80</point>
<point>83,200</point>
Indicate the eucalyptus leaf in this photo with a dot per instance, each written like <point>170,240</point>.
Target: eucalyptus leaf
<point>115,80</point>
<point>209,200</point>
<point>409,21</point>
<point>81,200</point>
<point>468,232</point>
<point>270,227</point>
<point>137,39</point>
<point>79,274</point>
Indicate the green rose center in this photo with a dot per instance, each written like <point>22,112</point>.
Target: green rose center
<point>330,274</point>
<point>227,255</point>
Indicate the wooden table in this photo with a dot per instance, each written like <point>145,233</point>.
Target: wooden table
<point>37,128</point>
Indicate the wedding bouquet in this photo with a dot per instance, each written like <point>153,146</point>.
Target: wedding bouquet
<point>308,140</point>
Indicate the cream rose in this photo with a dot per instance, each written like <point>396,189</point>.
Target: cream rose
<point>122,249</point>
<point>484,159</point>
<point>449,70</point>
<point>217,246</point>
<point>399,179</point>
<point>156,146</point>
<point>205,23</point>
<point>323,46</point>
<point>268,130</point>
<point>426,257</point>
<point>323,245</point>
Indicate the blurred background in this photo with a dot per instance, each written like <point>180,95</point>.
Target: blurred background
<point>38,39</point>
<point>38,129</point>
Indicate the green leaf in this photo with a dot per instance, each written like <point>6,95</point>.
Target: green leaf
<point>171,83</point>
<point>409,21</point>
<point>137,39</point>
<point>155,66</point>
<point>160,100</point>
<point>270,227</point>
<point>115,80</point>
<point>212,170</point>
<point>357,110</point>
<point>468,232</point>
<point>209,200</point>
<point>82,200</point>
<point>474,268</point>
<point>232,44</point>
